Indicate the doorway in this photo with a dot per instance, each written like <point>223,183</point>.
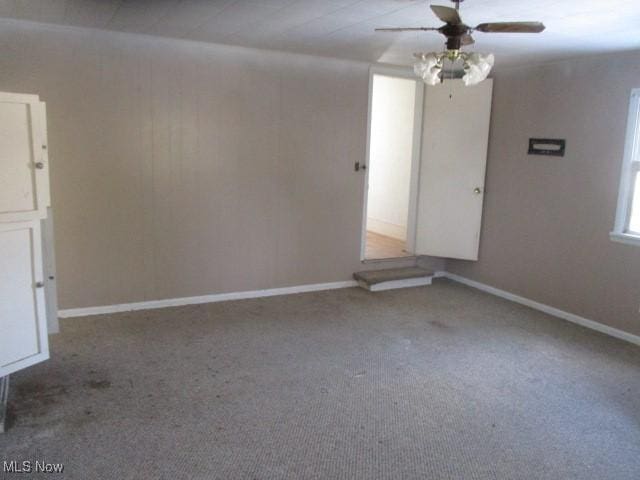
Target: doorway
<point>393,144</point>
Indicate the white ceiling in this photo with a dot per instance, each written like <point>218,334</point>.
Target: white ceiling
<point>344,28</point>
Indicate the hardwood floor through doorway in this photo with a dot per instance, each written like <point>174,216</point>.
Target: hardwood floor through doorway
<point>381,246</point>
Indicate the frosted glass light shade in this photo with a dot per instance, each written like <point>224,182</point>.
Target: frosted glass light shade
<point>428,68</point>
<point>477,67</point>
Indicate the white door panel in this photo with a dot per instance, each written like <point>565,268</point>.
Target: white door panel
<point>454,154</point>
<point>23,328</point>
<point>24,189</point>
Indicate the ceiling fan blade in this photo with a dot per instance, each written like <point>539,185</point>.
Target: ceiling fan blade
<point>447,14</point>
<point>406,29</point>
<point>467,39</point>
<point>511,27</point>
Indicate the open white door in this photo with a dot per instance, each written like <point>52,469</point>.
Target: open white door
<point>454,156</point>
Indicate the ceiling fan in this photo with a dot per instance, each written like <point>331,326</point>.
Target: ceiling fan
<point>458,35</point>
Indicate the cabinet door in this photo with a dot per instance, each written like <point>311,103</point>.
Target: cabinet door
<point>23,326</point>
<point>454,156</point>
<point>24,172</point>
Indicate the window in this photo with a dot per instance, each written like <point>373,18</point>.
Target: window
<point>627,226</point>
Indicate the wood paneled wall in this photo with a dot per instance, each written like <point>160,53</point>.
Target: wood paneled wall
<point>183,169</point>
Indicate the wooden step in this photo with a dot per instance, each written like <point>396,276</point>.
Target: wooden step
<point>390,278</point>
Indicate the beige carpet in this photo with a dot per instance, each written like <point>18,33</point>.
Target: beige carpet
<point>439,382</point>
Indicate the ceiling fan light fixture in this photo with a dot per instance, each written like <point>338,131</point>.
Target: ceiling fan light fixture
<point>477,67</point>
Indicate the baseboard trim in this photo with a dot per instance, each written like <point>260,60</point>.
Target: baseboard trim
<point>556,312</point>
<point>219,297</point>
<point>271,292</point>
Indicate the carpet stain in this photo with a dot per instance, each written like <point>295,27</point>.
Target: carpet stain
<point>439,324</point>
<point>98,384</point>
<point>33,400</point>
<point>39,391</point>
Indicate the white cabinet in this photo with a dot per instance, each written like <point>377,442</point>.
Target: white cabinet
<point>24,202</point>
<point>24,166</point>
<point>23,327</point>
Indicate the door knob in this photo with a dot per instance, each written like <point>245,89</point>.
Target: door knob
<point>39,284</point>
<point>39,165</point>
<point>477,190</point>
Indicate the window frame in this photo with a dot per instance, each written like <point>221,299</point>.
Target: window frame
<point>630,168</point>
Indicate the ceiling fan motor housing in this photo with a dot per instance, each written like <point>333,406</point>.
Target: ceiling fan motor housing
<point>454,35</point>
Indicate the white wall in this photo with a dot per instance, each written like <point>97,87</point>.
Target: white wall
<point>392,116</point>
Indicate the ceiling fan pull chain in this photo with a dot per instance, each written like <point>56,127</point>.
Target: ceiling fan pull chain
<point>451,77</point>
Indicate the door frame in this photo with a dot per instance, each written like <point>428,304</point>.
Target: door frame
<point>416,152</point>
